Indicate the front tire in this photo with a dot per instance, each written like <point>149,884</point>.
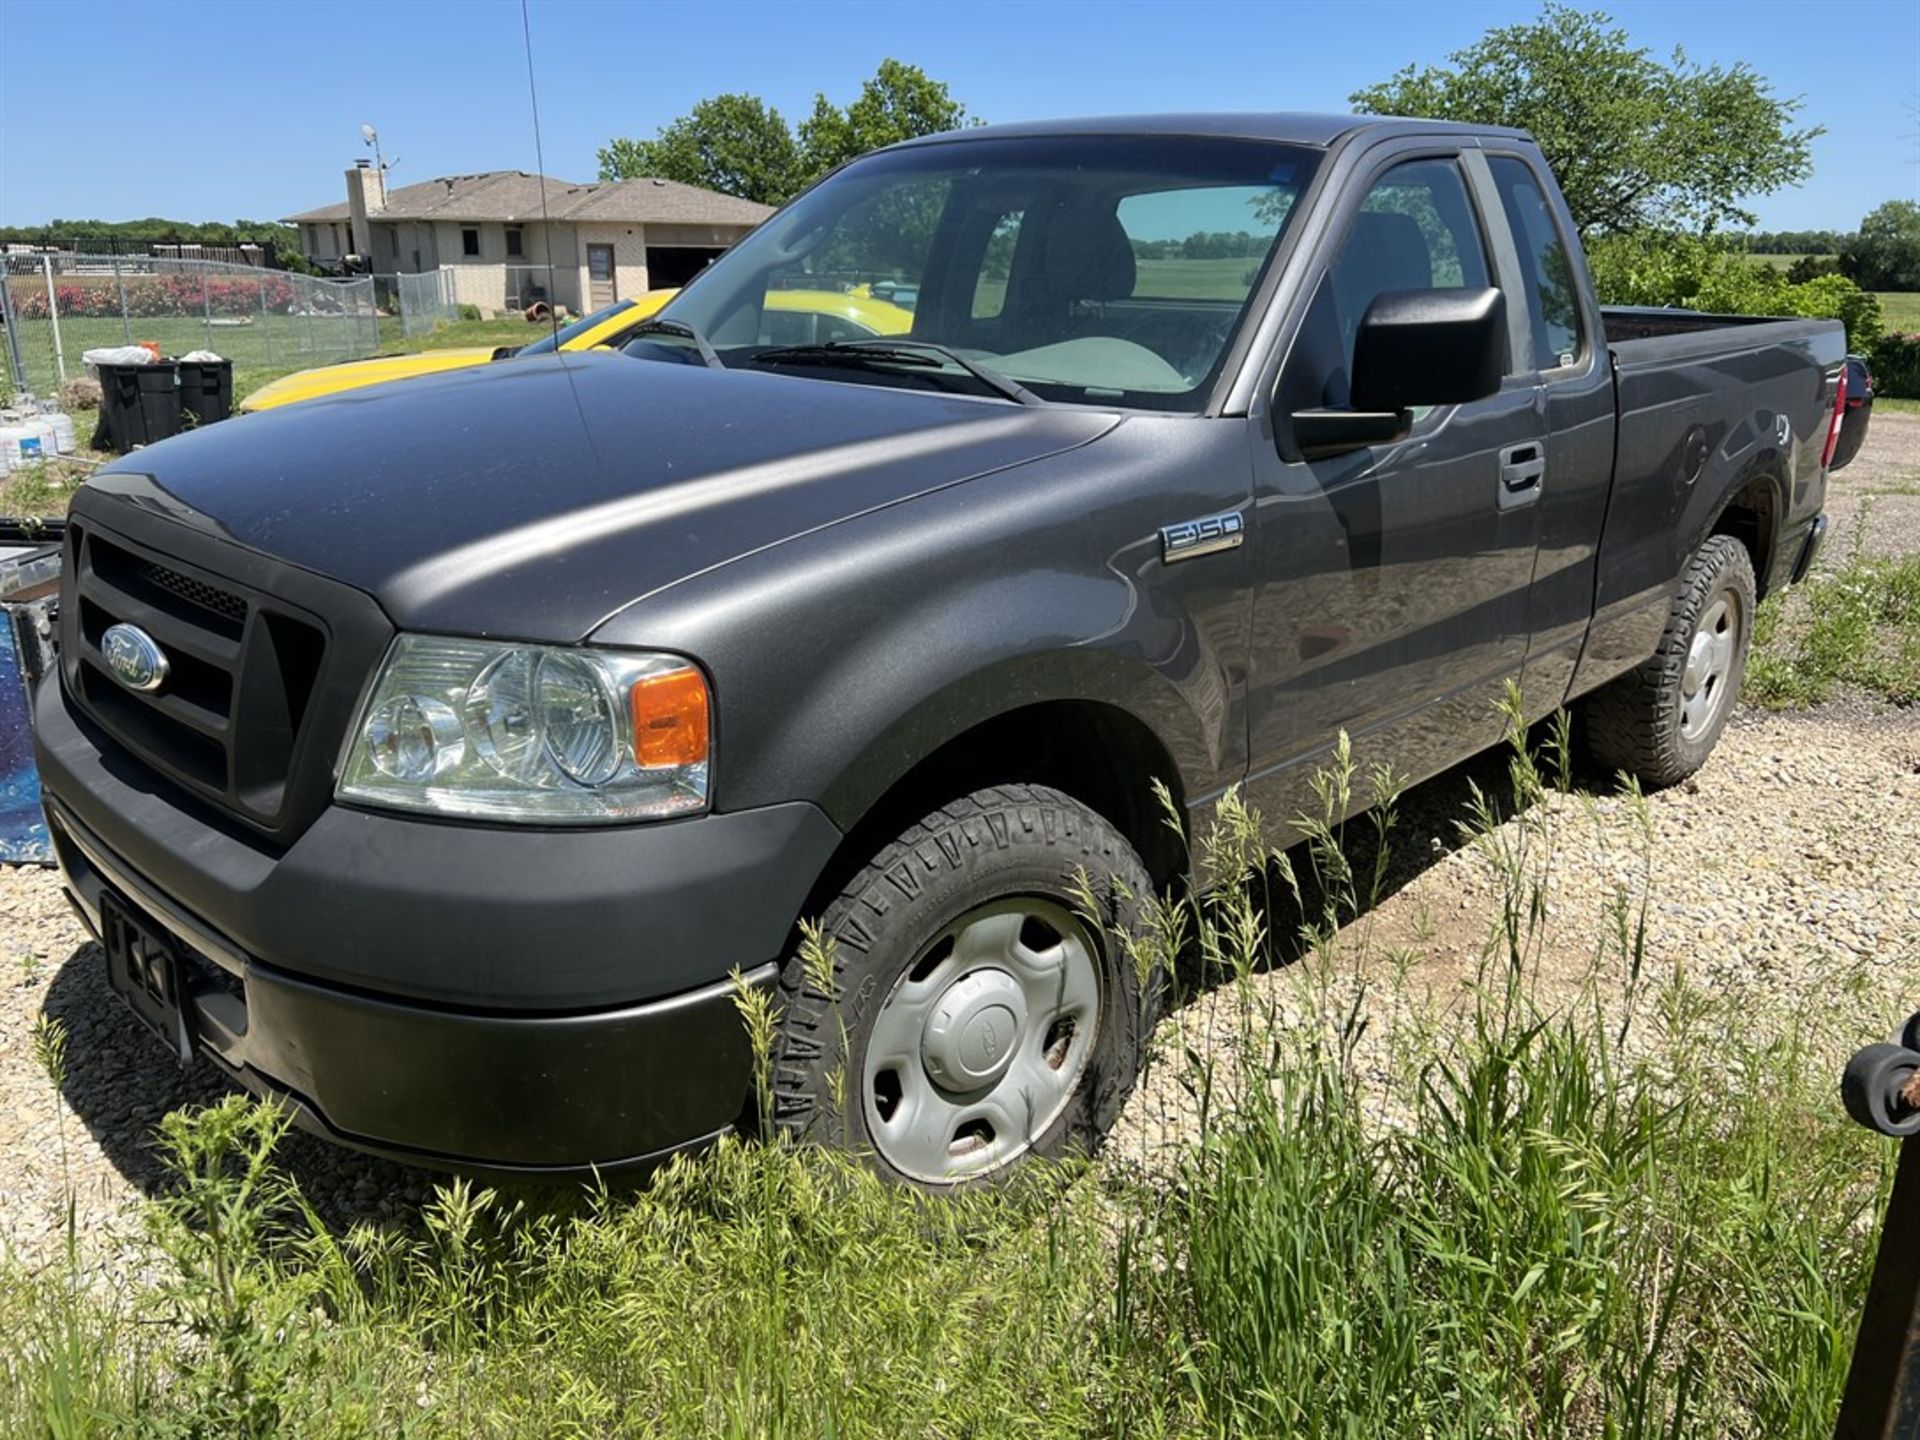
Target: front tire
<point>1660,721</point>
<point>980,1016</point>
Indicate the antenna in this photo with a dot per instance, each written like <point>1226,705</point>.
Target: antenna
<point>372,138</point>
<point>540,159</point>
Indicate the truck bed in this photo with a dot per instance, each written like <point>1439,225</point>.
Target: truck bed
<point>1628,323</point>
<point>1707,405</point>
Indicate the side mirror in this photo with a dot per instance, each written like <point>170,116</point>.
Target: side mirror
<point>1414,348</point>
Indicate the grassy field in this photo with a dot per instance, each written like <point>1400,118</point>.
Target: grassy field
<point>1900,310</point>
<point>1778,262</point>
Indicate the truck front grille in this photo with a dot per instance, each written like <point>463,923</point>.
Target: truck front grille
<point>246,718</point>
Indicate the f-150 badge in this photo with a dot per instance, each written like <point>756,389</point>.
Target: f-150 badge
<point>1191,539</point>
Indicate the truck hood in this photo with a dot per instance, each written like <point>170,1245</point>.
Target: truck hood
<point>533,500</point>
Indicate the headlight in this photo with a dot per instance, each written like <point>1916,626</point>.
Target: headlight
<point>541,733</point>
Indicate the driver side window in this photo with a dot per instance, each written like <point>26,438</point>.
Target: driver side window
<point>1415,231</point>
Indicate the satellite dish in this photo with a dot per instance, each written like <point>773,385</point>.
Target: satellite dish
<point>369,134</point>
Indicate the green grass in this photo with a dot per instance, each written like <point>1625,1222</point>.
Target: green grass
<point>266,348</point>
<point>1858,625</point>
<point>1196,279</point>
<point>507,330</point>
<point>276,342</point>
<point>39,488</point>
<point>1778,262</point>
<point>1543,1224</point>
<point>1900,310</point>
<point>1894,405</point>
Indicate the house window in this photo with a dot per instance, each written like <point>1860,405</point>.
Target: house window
<point>514,246</point>
<point>470,242</point>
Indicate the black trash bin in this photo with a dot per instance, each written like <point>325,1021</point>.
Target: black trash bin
<point>206,390</point>
<point>139,404</point>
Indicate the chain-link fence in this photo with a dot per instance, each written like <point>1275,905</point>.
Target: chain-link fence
<point>60,306</point>
<point>425,300</point>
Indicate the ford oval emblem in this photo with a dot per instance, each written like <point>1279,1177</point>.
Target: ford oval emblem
<point>135,659</point>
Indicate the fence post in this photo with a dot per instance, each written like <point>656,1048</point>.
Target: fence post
<point>206,303</point>
<point>15,355</point>
<point>120,284</point>
<point>266,330</point>
<point>53,314</point>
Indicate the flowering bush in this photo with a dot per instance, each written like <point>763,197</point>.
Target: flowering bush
<point>159,295</point>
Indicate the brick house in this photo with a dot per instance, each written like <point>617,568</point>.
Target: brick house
<point>607,241</point>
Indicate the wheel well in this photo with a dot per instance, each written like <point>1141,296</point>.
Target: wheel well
<point>1100,755</point>
<point>1752,517</point>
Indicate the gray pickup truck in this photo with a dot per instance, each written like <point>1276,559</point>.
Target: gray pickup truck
<point>429,757</point>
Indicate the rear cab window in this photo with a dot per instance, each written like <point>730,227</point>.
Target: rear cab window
<point>1553,299</point>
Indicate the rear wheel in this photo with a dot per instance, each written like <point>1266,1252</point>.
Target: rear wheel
<point>977,1016</point>
<point>1659,721</point>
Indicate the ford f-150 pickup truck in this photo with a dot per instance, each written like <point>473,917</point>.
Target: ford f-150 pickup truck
<point>430,756</point>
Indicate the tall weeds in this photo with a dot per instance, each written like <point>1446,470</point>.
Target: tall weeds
<point>1621,1209</point>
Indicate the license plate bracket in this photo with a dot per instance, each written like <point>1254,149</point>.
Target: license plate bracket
<point>144,969</point>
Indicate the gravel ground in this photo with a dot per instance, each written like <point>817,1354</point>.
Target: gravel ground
<point>1885,477</point>
<point>1785,866</point>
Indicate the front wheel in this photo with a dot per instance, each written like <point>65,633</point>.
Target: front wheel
<point>978,1016</point>
<point>1659,721</point>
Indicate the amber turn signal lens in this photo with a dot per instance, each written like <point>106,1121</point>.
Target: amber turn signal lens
<point>670,718</point>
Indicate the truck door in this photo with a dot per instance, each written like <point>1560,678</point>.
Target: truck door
<point>1392,583</point>
<point>1563,343</point>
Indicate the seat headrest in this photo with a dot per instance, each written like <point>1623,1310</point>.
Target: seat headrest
<point>1089,256</point>
<point>1385,251</point>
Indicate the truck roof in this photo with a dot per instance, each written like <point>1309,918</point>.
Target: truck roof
<point>1292,127</point>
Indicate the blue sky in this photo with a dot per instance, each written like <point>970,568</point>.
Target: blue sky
<point>255,107</point>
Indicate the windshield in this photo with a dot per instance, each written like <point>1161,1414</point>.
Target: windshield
<point>1090,269</point>
<point>579,327</point>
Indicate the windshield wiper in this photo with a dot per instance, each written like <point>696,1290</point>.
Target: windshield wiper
<point>662,325</point>
<point>896,352</point>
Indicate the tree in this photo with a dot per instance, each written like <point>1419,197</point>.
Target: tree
<point>1885,255</point>
<point>740,145</point>
<point>736,144</point>
<point>1636,142</point>
<point>900,102</point>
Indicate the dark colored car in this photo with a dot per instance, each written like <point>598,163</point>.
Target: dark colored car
<point>440,757</point>
<point>1857,411</point>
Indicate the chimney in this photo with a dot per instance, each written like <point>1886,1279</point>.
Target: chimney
<point>366,196</point>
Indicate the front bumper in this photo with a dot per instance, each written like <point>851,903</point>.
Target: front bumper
<point>503,1000</point>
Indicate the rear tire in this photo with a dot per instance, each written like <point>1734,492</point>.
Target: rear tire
<point>1660,720</point>
<point>981,1017</point>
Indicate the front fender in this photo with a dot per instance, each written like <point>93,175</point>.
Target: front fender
<point>842,659</point>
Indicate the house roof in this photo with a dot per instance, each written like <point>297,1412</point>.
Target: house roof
<point>664,202</point>
<point>514,195</point>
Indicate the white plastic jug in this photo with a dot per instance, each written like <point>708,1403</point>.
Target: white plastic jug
<point>24,443</point>
<point>65,440</point>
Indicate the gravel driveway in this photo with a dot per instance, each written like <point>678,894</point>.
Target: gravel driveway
<point>1788,860</point>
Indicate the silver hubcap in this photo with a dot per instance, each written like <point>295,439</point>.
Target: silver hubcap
<point>983,1041</point>
<point>1710,657</point>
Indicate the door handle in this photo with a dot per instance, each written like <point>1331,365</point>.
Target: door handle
<point>1523,470</point>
